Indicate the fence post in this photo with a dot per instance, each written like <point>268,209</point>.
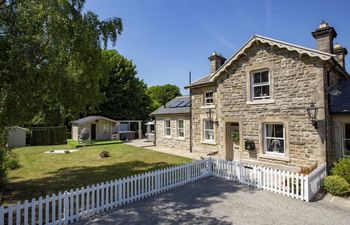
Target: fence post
<point>210,167</point>
<point>66,208</point>
<point>2,215</point>
<point>306,188</point>
<point>188,172</point>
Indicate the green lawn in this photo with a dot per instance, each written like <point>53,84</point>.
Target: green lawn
<point>42,173</point>
<point>75,144</point>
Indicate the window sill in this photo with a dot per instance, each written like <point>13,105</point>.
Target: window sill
<point>208,106</point>
<point>208,142</point>
<point>180,138</point>
<point>167,137</point>
<point>256,102</point>
<point>274,157</point>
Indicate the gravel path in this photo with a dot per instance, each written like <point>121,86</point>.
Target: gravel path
<point>215,201</point>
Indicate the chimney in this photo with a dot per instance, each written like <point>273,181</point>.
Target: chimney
<point>324,36</point>
<point>216,60</point>
<point>340,52</point>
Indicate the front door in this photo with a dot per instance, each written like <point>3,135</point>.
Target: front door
<point>93,131</point>
<point>232,142</point>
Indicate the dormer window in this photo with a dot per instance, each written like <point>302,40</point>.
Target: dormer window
<point>260,82</point>
<point>209,98</point>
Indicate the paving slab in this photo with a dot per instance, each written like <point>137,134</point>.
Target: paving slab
<point>216,201</point>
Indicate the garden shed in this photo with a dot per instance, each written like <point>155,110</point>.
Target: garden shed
<point>103,128</point>
<point>16,137</point>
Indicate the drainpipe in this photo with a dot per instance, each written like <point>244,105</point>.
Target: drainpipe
<point>190,112</point>
<point>326,118</point>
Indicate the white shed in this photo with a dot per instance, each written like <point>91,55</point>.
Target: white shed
<point>16,137</point>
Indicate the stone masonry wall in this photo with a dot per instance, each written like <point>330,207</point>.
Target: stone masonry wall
<point>198,115</point>
<point>173,141</point>
<point>296,82</point>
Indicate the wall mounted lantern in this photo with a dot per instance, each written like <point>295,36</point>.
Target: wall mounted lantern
<point>210,117</point>
<point>312,113</point>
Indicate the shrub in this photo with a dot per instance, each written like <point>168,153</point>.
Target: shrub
<point>12,161</point>
<point>342,169</point>
<point>104,154</point>
<point>336,185</point>
<point>69,135</point>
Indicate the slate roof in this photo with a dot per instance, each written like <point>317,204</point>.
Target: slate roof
<point>87,119</point>
<point>178,105</point>
<point>341,103</point>
<point>209,79</point>
<point>203,80</point>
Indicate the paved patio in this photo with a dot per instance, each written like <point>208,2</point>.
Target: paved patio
<point>173,151</point>
<point>216,201</point>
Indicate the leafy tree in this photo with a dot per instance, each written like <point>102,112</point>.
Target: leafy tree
<point>50,62</point>
<point>161,94</point>
<point>125,94</point>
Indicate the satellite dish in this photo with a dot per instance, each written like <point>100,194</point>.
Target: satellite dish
<point>334,90</point>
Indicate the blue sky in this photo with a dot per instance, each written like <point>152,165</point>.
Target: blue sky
<point>167,39</point>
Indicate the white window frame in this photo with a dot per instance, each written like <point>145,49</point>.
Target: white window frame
<point>252,85</point>
<point>208,130</point>
<point>343,141</point>
<point>275,138</point>
<point>181,128</point>
<point>167,128</point>
<point>207,98</point>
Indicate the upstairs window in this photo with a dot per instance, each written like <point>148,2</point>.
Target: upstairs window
<point>274,140</point>
<point>346,140</point>
<point>180,129</point>
<point>167,128</point>
<point>260,85</point>
<point>209,98</point>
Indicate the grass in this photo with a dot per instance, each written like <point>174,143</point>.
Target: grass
<point>42,173</point>
<point>75,144</point>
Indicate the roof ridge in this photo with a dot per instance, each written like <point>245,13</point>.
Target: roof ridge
<point>272,42</point>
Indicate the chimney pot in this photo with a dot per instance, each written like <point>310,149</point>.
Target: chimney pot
<point>216,61</point>
<point>340,52</point>
<point>324,36</point>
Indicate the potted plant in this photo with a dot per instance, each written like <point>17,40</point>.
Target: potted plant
<point>235,136</point>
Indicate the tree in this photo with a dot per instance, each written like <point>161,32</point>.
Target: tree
<point>50,61</point>
<point>125,94</point>
<point>161,94</point>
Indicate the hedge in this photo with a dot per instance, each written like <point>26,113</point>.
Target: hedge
<point>49,135</point>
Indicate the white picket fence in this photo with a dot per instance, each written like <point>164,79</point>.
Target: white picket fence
<point>291,184</point>
<point>74,205</point>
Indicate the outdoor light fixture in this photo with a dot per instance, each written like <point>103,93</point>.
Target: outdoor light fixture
<point>210,117</point>
<point>312,113</point>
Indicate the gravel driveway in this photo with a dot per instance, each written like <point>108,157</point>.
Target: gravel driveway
<point>216,201</point>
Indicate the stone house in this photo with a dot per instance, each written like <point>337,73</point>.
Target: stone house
<point>284,103</point>
<point>172,123</point>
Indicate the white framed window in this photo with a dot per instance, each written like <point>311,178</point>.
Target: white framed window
<point>208,131</point>
<point>274,138</point>
<point>346,140</point>
<point>208,98</point>
<point>180,128</point>
<point>167,128</point>
<point>260,85</point>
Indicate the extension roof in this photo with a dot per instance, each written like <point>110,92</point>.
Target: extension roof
<point>178,105</point>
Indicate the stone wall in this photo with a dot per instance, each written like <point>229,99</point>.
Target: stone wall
<point>296,82</point>
<point>173,141</point>
<point>198,115</point>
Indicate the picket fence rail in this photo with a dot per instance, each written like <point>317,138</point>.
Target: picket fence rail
<point>73,205</point>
